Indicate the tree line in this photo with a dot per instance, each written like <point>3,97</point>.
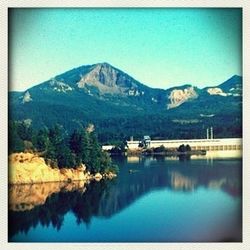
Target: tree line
<point>59,148</point>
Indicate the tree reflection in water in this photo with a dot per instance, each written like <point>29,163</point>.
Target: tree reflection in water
<point>83,205</point>
<point>106,198</point>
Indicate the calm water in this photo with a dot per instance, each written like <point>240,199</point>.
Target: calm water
<point>152,200</point>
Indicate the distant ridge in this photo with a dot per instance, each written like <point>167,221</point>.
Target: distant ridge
<point>95,93</point>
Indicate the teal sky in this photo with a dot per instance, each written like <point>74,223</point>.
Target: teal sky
<point>158,47</point>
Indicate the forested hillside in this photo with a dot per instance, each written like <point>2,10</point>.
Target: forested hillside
<point>120,106</point>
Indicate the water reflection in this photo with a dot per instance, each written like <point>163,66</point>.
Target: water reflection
<point>47,204</point>
<point>84,203</point>
<point>188,173</point>
<point>27,196</point>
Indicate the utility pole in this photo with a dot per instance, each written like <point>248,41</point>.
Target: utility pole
<point>211,131</point>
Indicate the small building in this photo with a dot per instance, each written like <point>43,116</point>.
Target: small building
<point>107,147</point>
<point>146,141</point>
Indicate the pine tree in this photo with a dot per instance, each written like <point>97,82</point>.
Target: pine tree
<point>64,156</point>
<point>24,130</point>
<point>75,144</point>
<point>41,140</point>
<point>86,147</point>
<point>56,137</point>
<point>95,154</point>
<point>16,144</point>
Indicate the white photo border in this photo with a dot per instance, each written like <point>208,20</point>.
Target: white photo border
<point>5,5</point>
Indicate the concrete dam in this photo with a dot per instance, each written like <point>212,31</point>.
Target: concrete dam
<point>195,144</point>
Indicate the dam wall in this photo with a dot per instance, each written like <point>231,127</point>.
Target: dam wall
<point>195,144</point>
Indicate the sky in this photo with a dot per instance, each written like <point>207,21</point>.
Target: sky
<point>161,48</point>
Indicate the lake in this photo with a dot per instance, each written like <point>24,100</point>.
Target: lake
<point>153,199</point>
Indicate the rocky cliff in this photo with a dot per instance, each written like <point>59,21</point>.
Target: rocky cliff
<point>179,96</point>
<point>27,168</point>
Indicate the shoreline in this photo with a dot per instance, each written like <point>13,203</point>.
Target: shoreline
<point>176,153</point>
<point>29,168</point>
<point>168,153</point>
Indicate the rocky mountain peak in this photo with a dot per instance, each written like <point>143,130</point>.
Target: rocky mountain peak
<point>235,82</point>
<point>231,87</point>
<point>107,79</point>
<point>102,73</point>
<point>105,83</point>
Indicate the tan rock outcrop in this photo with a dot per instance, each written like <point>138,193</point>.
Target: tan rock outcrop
<point>179,96</point>
<point>97,176</point>
<point>30,168</point>
<point>216,91</point>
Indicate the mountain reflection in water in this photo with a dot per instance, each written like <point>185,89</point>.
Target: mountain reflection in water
<point>47,204</point>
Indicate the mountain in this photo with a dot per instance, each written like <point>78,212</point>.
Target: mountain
<point>231,87</point>
<point>120,106</point>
